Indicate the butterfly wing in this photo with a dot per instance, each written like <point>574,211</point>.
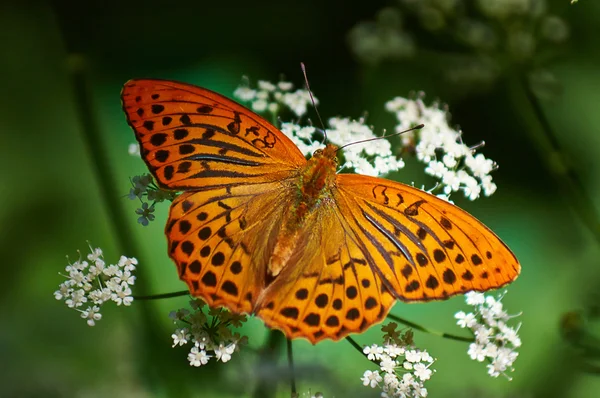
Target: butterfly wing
<point>235,168</point>
<point>221,240</point>
<point>329,288</point>
<point>423,247</point>
<point>193,138</point>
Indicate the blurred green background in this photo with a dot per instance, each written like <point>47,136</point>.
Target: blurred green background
<point>63,66</point>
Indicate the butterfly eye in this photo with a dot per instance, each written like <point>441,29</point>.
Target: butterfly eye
<point>318,152</point>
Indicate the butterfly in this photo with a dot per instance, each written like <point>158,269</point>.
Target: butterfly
<point>259,229</point>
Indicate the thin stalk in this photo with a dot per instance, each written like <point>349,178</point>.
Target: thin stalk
<point>267,384</point>
<point>549,146</point>
<point>290,356</point>
<point>430,331</point>
<point>162,296</point>
<point>355,345</point>
<point>149,335</point>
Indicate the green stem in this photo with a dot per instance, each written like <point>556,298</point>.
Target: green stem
<point>549,146</point>
<point>355,345</point>
<point>291,366</point>
<point>267,385</point>
<point>156,375</point>
<point>162,296</point>
<point>430,331</point>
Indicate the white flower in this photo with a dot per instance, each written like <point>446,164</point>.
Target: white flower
<point>92,315</point>
<point>198,357</point>
<point>371,378</point>
<point>476,352</point>
<point>180,337</point>
<point>64,290</point>
<point>134,149</point>
<point>475,298</point>
<point>465,320</point>
<point>394,350</point>
<point>413,356</point>
<point>223,353</point>
<point>373,352</point>
<point>260,105</point>
<point>387,364</point>
<point>245,94</point>
<point>422,371</point>
<point>266,86</point>
<point>285,86</point>
<point>125,276</point>
<point>488,186</point>
<point>483,334</point>
<point>122,295</point>
<point>127,263</point>
<point>479,165</point>
<point>436,169</point>
<point>77,299</point>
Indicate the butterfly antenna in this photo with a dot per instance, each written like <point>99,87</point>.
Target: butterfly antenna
<point>313,101</point>
<point>420,126</point>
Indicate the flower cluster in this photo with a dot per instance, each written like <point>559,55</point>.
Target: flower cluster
<point>273,97</point>
<point>144,189</point>
<point>403,369</point>
<point>495,341</point>
<point>455,165</point>
<point>93,282</point>
<point>440,146</point>
<point>208,331</point>
<point>370,158</point>
<point>492,35</point>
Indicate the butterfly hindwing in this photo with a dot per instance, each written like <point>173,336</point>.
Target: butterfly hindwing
<point>330,289</point>
<point>219,239</point>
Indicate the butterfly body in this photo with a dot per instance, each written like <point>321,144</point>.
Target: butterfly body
<point>315,182</point>
<point>261,230</point>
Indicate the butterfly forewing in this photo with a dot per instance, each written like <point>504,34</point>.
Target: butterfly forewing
<point>425,248</point>
<point>193,138</point>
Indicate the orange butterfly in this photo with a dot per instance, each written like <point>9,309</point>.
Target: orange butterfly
<point>261,230</point>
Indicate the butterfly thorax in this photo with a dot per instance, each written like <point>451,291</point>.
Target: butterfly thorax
<point>312,190</point>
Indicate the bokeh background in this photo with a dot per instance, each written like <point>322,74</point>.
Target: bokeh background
<point>526,84</point>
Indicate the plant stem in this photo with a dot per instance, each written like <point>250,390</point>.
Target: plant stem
<point>430,331</point>
<point>355,345</point>
<point>267,385</point>
<point>290,355</point>
<point>162,296</point>
<point>149,335</point>
<point>549,146</point>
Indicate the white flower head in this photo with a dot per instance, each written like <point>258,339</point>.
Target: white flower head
<point>96,284</point>
<point>402,369</point>
<point>495,341</point>
<point>210,332</point>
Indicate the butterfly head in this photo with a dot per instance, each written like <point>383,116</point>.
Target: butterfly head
<point>329,153</point>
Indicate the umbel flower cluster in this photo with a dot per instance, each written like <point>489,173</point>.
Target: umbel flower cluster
<point>455,166</point>
<point>495,341</point>
<point>493,37</point>
<point>92,283</point>
<point>209,332</point>
<point>403,369</point>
